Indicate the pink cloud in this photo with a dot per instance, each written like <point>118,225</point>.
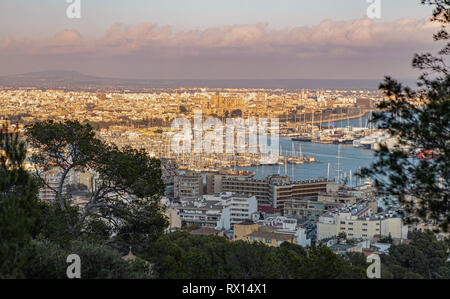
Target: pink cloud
<point>336,38</point>
<point>67,38</point>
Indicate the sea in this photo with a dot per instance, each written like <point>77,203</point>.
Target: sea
<point>339,162</point>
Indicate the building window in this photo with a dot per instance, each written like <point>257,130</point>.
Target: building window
<point>260,239</point>
<point>268,240</point>
<point>251,238</point>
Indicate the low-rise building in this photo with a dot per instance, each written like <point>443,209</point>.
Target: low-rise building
<point>310,209</point>
<point>214,179</point>
<point>188,186</point>
<point>270,236</point>
<point>275,190</point>
<point>360,222</point>
<point>306,209</point>
<point>236,209</point>
<point>272,232</point>
<point>221,211</point>
<point>171,214</point>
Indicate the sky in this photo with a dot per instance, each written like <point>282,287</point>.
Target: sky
<point>215,39</point>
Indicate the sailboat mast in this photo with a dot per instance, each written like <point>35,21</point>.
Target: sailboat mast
<point>321,118</point>
<point>360,118</point>
<point>285,167</point>
<point>339,163</point>
<point>350,178</point>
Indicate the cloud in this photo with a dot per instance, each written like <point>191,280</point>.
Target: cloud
<point>65,42</point>
<point>329,37</point>
<point>67,38</point>
<point>354,48</point>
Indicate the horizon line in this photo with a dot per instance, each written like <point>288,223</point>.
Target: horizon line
<point>203,79</point>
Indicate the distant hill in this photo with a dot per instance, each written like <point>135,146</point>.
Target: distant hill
<point>56,79</point>
<point>54,75</point>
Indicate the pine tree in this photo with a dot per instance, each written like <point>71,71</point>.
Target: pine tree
<point>18,205</point>
<point>417,168</point>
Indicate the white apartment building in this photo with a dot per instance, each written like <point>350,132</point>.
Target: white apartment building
<point>188,186</point>
<point>360,224</point>
<point>236,209</point>
<point>220,211</point>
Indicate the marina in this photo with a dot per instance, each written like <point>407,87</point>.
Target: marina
<point>333,160</point>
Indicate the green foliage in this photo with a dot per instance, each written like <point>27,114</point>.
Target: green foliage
<point>322,263</point>
<point>356,259</point>
<point>96,230</point>
<point>130,171</point>
<point>51,222</point>
<point>387,239</point>
<point>18,205</point>
<point>299,250</point>
<point>181,255</point>
<point>419,164</point>
<point>342,236</point>
<point>59,228</point>
<point>128,187</point>
<point>142,222</point>
<point>97,261</point>
<point>131,218</point>
<point>424,257</point>
<point>67,144</point>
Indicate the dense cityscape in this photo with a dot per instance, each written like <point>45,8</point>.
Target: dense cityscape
<point>207,195</point>
<point>102,177</point>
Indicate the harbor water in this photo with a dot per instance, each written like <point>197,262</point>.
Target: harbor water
<point>332,160</point>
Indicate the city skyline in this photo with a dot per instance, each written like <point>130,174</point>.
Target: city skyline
<point>204,140</point>
<point>221,41</point>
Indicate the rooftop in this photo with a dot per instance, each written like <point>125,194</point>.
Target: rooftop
<point>265,233</point>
